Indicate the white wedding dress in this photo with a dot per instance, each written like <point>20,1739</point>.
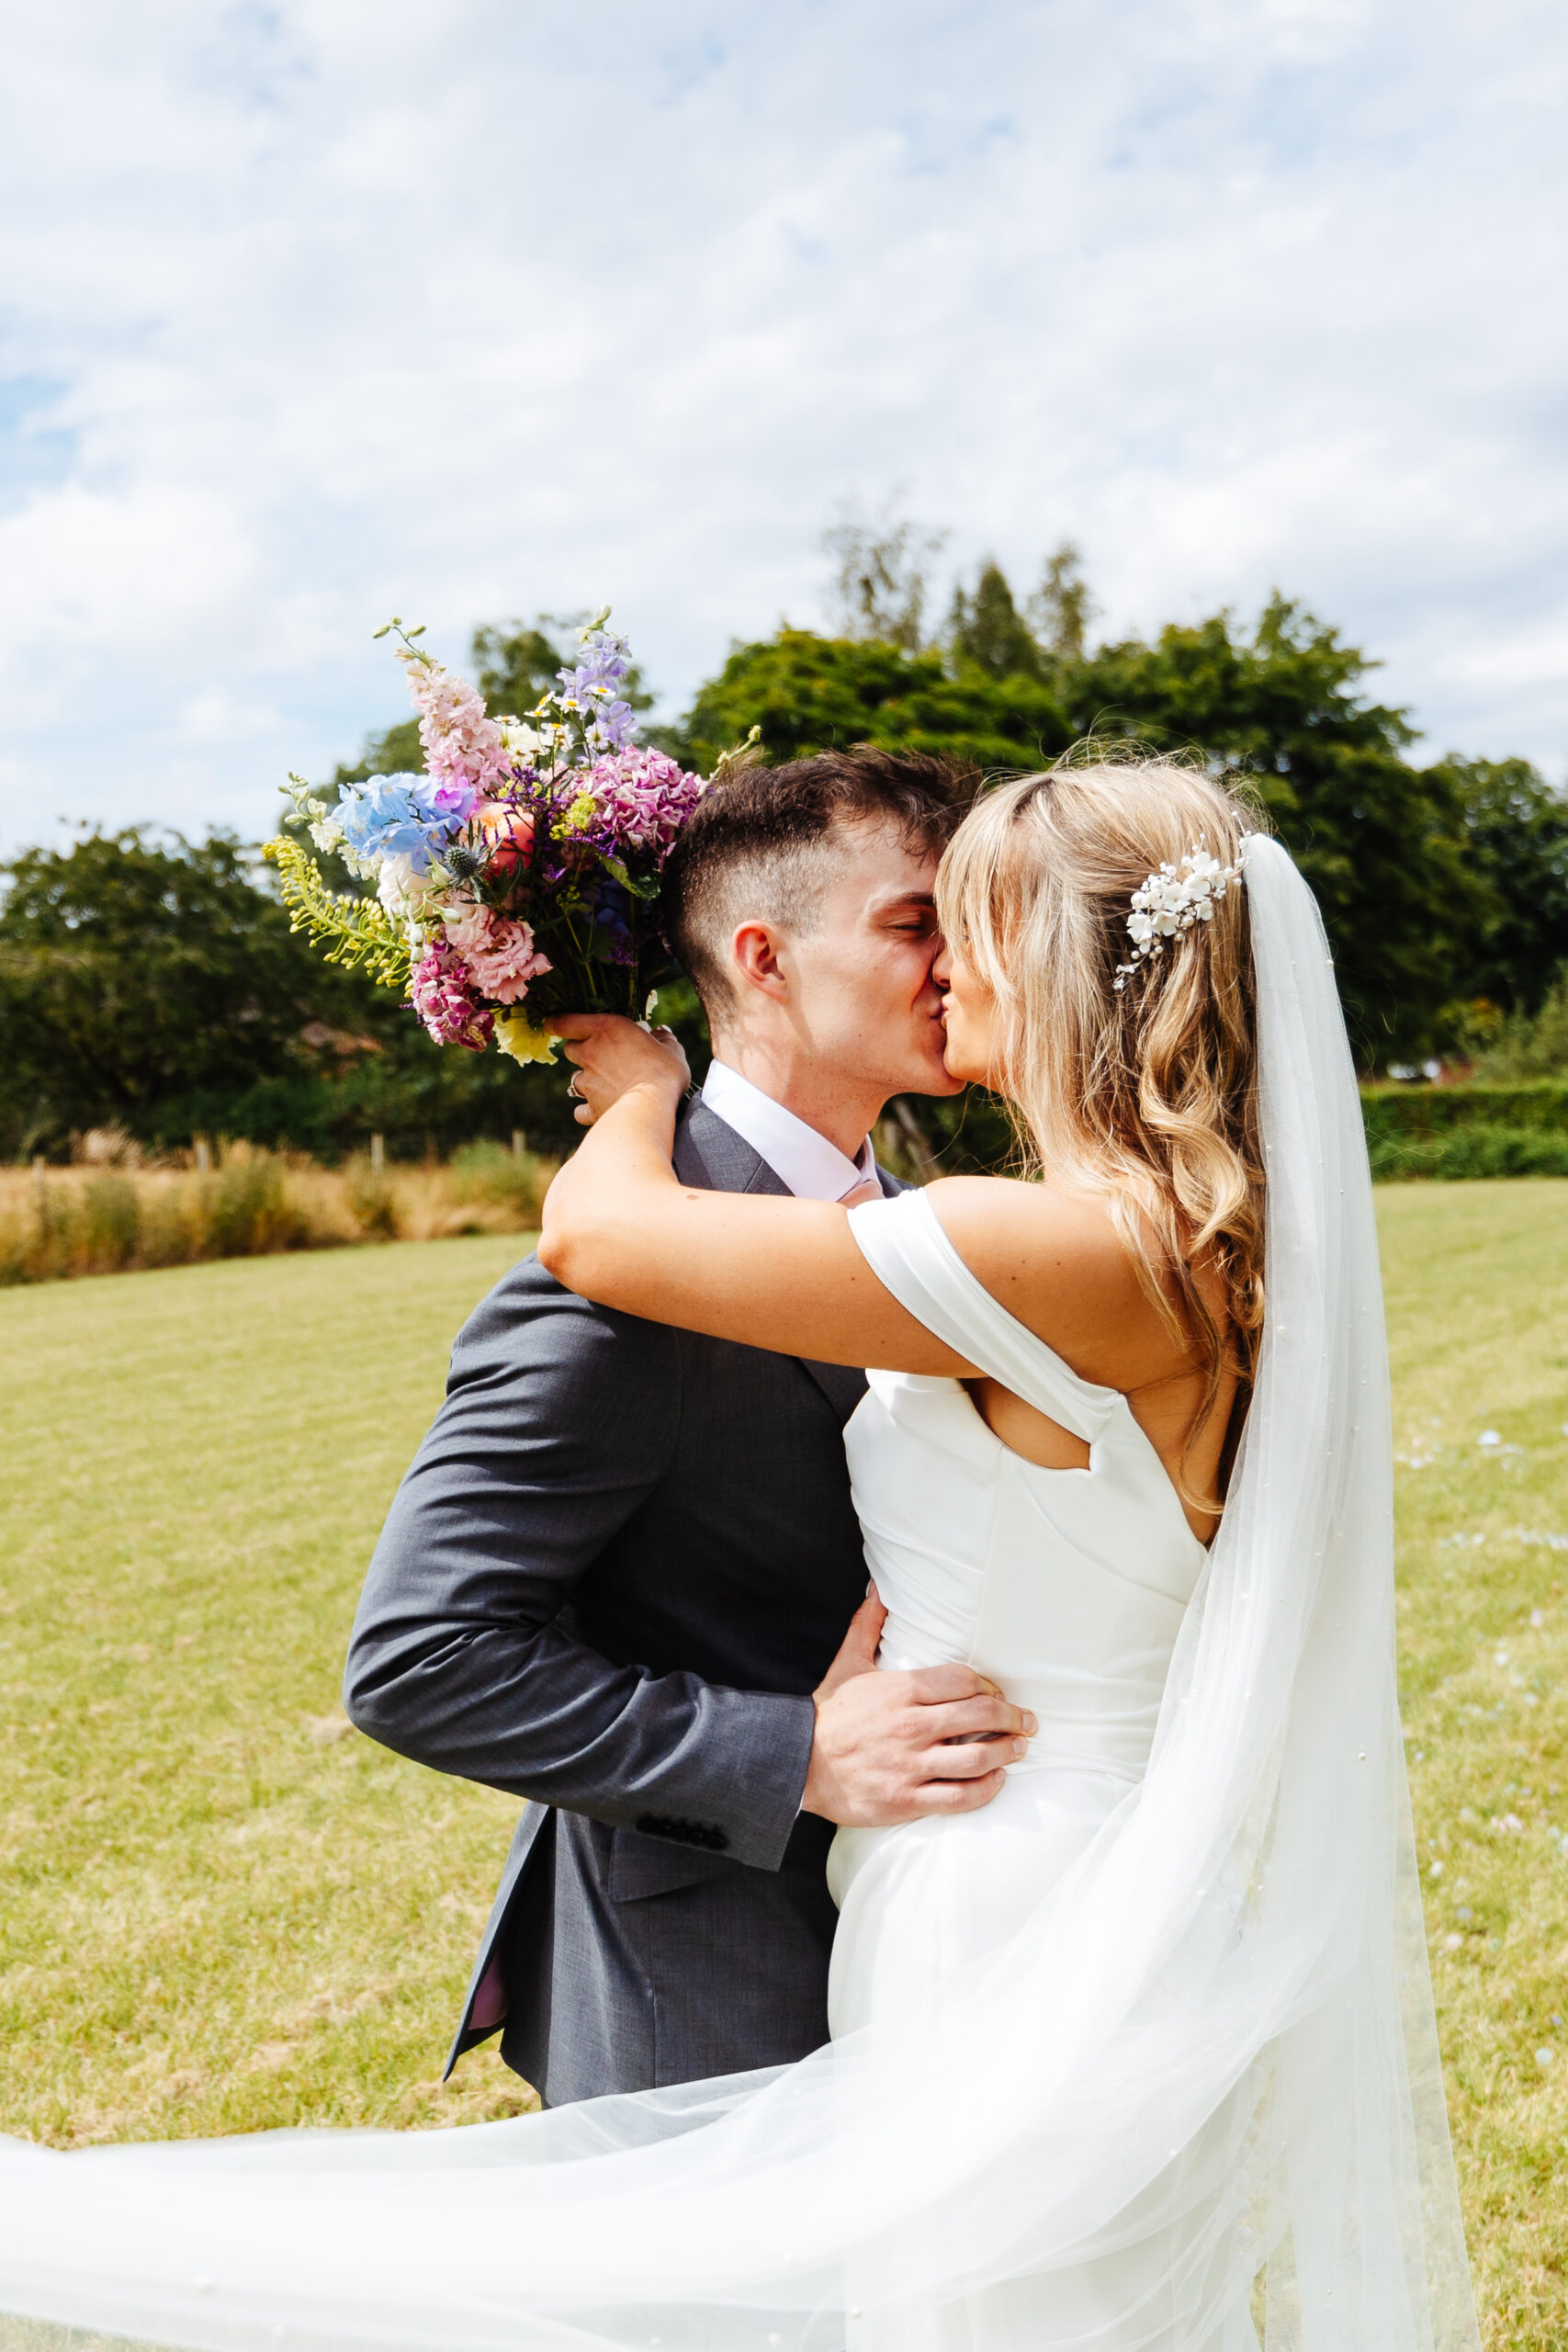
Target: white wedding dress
<point>1139,2057</point>
<point>1067,1588</point>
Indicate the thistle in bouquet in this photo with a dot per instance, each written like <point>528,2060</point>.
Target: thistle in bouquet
<point>518,877</point>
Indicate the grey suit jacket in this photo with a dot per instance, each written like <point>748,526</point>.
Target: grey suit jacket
<point>621,1562</point>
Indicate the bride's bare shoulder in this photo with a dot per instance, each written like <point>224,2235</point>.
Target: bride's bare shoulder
<point>1001,1223</point>
<point>1051,1254</point>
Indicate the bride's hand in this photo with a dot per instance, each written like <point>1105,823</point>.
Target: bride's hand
<point>613,1055</point>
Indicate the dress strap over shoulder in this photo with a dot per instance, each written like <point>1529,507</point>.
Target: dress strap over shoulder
<point>903,1242</point>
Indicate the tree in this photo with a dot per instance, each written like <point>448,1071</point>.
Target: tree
<point>159,985</point>
<point>130,973</point>
<point>809,693</point>
<point>514,664</point>
<point>986,628</point>
<point>1529,1044</point>
<point>1517,827</point>
<point>879,576</point>
<point>1061,608</point>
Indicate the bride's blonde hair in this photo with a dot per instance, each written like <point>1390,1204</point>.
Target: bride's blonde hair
<point>1149,1094</point>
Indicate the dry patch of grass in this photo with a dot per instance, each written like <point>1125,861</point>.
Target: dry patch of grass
<point>245,1202</point>
<point>225,1910</point>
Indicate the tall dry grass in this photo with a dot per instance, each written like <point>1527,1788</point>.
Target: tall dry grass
<point>241,1201</point>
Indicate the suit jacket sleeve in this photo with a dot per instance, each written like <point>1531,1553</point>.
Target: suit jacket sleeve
<point>559,1418</point>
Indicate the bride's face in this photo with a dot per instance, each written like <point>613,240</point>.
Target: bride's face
<point>970,1019</point>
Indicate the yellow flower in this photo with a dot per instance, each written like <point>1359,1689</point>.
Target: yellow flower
<point>580,815</point>
<point>516,1036</point>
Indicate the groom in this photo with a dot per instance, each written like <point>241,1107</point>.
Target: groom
<point>617,1579</point>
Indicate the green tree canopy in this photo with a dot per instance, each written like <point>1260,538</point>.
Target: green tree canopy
<point>1516,827</point>
<point>132,972</point>
<point>158,985</point>
<point>987,630</point>
<point>808,694</point>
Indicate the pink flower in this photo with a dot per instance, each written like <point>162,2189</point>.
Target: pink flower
<point>463,748</point>
<point>468,926</point>
<point>504,968</point>
<point>442,994</point>
<point>644,797</point>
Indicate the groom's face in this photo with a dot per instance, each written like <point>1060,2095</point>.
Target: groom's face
<point>860,981</point>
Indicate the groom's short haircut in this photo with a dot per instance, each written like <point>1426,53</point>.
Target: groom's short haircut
<point>761,845</point>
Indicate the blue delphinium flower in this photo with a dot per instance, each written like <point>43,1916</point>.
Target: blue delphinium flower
<point>386,815</point>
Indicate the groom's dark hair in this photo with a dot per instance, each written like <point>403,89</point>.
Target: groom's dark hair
<point>760,844</point>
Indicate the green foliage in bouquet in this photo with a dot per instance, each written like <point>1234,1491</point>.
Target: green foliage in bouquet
<point>356,933</point>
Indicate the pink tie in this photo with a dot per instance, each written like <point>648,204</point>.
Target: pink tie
<point>868,1189</point>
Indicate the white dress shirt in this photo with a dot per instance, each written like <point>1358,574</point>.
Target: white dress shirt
<point>814,1169</point>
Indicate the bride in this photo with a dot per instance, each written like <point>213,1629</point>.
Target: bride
<point>1141,2057</point>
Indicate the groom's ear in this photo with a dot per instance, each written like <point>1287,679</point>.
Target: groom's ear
<point>756,951</point>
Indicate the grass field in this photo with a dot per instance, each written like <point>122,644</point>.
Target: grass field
<point>1476,1278</point>
<point>225,1910</point>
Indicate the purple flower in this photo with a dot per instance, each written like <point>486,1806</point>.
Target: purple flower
<point>602,663</point>
<point>614,724</point>
<point>442,994</point>
<point>451,803</point>
<point>591,687</point>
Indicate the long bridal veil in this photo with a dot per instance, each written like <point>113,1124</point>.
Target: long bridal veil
<point>1198,2092</point>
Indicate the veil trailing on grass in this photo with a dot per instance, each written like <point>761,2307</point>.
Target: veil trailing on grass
<point>1206,2068</point>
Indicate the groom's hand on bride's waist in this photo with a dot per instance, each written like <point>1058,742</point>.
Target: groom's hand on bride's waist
<point>890,1746</point>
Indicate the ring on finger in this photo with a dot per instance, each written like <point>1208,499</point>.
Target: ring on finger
<point>574,1089</point>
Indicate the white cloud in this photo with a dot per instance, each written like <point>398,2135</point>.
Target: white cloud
<point>319,310</point>
<point>83,570</point>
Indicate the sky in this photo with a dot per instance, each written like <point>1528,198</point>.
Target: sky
<point>317,311</point>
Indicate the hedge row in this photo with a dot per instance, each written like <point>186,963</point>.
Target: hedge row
<point>1439,1131</point>
<point>1467,1131</point>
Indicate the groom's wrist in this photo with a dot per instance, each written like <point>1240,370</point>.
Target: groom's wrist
<point>757,1752</point>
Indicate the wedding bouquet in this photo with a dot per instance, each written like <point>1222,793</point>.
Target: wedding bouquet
<point>518,877</point>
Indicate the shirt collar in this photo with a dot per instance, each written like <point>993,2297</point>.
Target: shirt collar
<point>814,1169</point>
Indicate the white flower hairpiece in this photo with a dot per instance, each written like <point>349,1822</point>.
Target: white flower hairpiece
<point>1171,901</point>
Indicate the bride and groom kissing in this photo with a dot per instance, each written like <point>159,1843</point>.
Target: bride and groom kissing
<point>625,1580</point>
<point>1026,1954</point>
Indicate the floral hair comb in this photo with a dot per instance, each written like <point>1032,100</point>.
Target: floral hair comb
<point>1171,901</point>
